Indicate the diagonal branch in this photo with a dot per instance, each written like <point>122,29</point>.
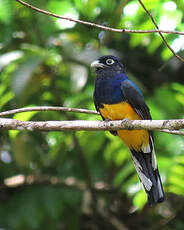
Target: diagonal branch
<point>112,29</point>
<point>47,108</point>
<point>97,25</point>
<point>160,32</point>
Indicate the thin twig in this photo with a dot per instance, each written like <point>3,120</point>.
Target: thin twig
<point>47,108</point>
<point>77,125</point>
<point>160,32</point>
<point>97,25</point>
<point>174,132</point>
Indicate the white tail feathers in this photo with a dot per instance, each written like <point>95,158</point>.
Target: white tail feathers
<point>145,181</point>
<point>146,166</point>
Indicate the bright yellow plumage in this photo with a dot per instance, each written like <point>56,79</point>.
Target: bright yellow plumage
<point>134,139</point>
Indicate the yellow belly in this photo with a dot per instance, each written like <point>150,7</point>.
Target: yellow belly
<point>134,139</point>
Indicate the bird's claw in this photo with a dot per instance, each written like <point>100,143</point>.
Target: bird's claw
<point>125,120</point>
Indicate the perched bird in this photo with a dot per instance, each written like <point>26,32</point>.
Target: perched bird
<point>116,98</point>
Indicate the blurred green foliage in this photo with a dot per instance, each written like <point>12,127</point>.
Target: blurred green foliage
<point>45,61</point>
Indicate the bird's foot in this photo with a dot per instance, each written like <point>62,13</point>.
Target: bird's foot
<point>125,120</point>
<point>107,120</point>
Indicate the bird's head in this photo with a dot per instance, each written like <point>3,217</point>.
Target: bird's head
<point>108,63</point>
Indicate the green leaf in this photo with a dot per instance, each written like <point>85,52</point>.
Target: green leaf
<point>6,11</point>
<point>140,199</point>
<point>22,77</point>
<point>127,170</point>
<point>6,98</point>
<point>53,202</point>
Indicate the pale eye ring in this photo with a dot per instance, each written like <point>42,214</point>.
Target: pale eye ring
<point>109,61</point>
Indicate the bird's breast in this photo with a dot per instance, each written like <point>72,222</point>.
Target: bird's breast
<point>134,139</point>
<point>119,111</point>
<point>108,91</point>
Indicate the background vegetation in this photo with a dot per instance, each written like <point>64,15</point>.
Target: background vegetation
<point>86,180</point>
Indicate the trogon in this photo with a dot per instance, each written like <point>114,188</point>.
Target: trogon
<point>116,97</point>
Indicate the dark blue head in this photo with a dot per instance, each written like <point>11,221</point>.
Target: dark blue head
<point>108,63</point>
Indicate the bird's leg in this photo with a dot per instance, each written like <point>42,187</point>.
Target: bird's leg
<point>113,132</point>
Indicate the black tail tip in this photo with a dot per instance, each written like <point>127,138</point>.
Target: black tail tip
<point>153,202</point>
<point>161,200</point>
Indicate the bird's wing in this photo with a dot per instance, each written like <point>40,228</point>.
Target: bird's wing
<point>134,97</point>
<point>145,160</point>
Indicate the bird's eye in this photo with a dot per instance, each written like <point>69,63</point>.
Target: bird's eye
<point>109,61</point>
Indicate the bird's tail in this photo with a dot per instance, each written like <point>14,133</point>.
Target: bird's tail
<point>146,167</point>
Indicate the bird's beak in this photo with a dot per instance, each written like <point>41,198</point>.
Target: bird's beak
<point>97,64</point>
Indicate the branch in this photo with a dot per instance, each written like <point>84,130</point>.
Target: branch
<point>47,108</point>
<point>174,132</point>
<point>70,182</point>
<point>76,125</point>
<point>62,109</point>
<point>160,32</point>
<point>97,25</point>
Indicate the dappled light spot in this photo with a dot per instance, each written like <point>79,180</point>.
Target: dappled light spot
<point>167,23</point>
<point>14,181</point>
<point>178,44</point>
<point>170,6</point>
<point>6,157</point>
<point>131,9</point>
